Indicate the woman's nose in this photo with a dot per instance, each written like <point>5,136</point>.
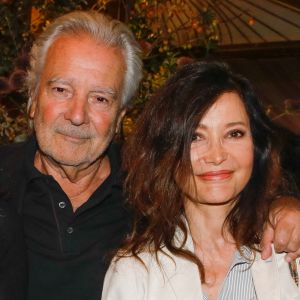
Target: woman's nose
<point>216,154</point>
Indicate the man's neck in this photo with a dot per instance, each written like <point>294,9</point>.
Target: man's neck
<point>79,183</point>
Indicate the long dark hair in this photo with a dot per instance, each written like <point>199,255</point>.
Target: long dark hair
<point>159,152</point>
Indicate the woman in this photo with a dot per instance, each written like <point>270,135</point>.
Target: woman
<point>201,183</point>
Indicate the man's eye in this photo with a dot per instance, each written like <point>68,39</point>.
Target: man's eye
<point>236,134</point>
<point>59,89</point>
<point>101,99</point>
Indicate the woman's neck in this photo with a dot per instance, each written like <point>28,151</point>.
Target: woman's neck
<point>213,244</point>
<point>206,224</point>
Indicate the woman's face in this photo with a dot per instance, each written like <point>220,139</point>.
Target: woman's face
<point>221,152</point>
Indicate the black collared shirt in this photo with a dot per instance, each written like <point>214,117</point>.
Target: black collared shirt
<point>12,254</point>
<point>68,252</point>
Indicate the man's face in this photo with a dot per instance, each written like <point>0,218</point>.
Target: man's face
<point>78,106</point>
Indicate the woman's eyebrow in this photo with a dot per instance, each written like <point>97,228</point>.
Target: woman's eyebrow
<point>236,123</point>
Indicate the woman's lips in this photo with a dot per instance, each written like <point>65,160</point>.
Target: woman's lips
<point>216,175</point>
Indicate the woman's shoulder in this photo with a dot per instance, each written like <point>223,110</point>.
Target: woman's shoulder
<point>150,276</point>
<point>126,277</point>
<point>144,265</point>
<point>129,263</point>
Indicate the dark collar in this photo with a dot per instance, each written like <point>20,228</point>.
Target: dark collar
<point>31,173</point>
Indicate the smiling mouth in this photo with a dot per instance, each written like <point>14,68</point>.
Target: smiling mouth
<point>216,175</point>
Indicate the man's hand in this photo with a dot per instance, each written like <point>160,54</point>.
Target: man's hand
<point>283,230</point>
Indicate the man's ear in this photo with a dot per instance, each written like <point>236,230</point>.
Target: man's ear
<point>120,118</point>
<point>32,107</point>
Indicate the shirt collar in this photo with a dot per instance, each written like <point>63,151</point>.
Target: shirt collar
<point>242,256</point>
<point>30,171</point>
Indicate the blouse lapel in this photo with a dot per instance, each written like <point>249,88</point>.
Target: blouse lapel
<point>183,278</point>
<point>182,274</point>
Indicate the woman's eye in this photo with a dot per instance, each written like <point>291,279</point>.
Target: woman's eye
<point>197,137</point>
<point>236,134</point>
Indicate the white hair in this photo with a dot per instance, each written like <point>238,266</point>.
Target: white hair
<point>99,27</point>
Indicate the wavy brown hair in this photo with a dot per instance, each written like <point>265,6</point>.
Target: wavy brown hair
<point>159,152</point>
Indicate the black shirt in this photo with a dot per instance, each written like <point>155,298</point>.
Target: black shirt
<point>68,252</point>
<point>12,254</point>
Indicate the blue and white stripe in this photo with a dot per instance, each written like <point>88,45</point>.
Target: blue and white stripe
<point>238,283</point>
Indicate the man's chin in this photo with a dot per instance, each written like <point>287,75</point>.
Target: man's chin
<point>66,160</point>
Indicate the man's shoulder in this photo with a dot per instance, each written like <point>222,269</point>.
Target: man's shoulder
<point>14,147</point>
<point>11,161</point>
<point>12,153</point>
<point>10,170</point>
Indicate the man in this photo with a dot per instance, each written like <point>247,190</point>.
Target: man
<point>65,180</point>
<point>84,69</point>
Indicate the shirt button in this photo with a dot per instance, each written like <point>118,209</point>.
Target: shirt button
<point>70,230</point>
<point>62,204</point>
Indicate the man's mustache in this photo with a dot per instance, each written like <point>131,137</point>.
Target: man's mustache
<point>75,132</point>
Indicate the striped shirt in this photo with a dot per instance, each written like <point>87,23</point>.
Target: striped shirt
<point>238,283</point>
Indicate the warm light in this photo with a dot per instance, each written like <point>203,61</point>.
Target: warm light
<point>251,21</point>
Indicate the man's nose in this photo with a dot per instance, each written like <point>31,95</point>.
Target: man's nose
<point>216,153</point>
<point>76,112</point>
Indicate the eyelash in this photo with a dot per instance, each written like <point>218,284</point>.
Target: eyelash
<point>236,133</point>
<point>64,92</point>
<point>196,136</point>
<point>101,99</point>
<point>60,91</point>
<point>233,134</point>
